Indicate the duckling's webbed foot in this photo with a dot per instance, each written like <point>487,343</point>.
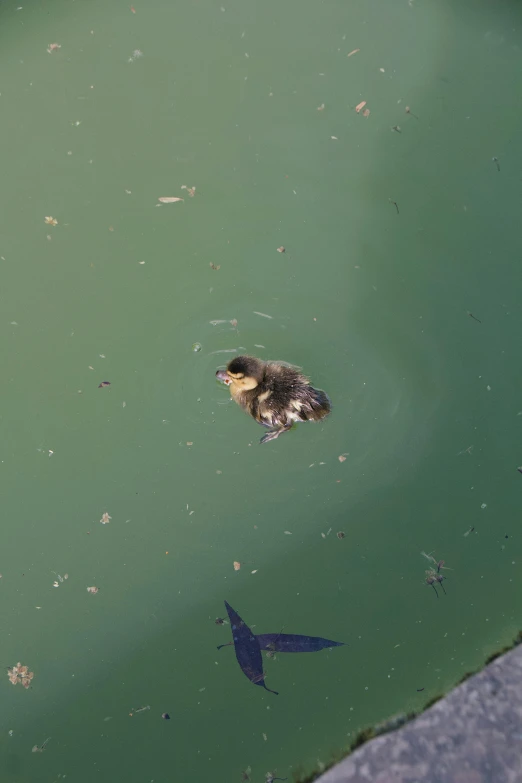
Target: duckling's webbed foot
<point>273,434</point>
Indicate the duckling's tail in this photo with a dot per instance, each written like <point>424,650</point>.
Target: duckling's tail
<point>320,404</point>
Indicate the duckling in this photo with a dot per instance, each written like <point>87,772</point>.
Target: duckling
<point>274,393</point>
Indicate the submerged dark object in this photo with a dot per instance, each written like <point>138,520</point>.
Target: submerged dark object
<point>291,643</point>
<point>165,716</point>
<point>294,642</point>
<point>248,651</point>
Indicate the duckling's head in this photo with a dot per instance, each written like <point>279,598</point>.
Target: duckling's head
<point>243,373</point>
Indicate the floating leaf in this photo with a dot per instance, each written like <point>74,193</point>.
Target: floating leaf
<point>248,652</point>
<point>360,106</point>
<point>237,565</point>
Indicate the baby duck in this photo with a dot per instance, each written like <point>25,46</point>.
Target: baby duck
<point>274,393</point>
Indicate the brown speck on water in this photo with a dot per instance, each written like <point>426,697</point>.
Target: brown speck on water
<point>341,535</point>
<point>216,267</point>
<point>281,249</point>
<point>103,384</point>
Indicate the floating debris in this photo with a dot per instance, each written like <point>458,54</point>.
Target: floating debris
<point>497,164</point>
<point>20,674</point>
<point>354,51</point>
<point>396,205</point>
<point>340,534</point>
<point>281,249</point>
<point>137,53</point>
<point>245,775</point>
<point>432,577</point>
<point>396,128</point>
<point>366,113</point>
<point>165,716</point>
<point>430,581</point>
<point>140,709</point>
<point>93,590</point>
<point>237,565</point>
<point>53,47</point>
<point>103,384</point>
<point>169,199</point>
<point>294,643</point>
<point>409,111</point>
<point>264,315</point>
<point>290,643</point>
<point>248,651</point>
<point>105,518</point>
<point>341,458</point>
<point>51,221</point>
<point>40,748</point>
<point>472,316</point>
<point>220,621</point>
<point>321,107</point>
<point>360,106</point>
<point>191,191</point>
<point>196,347</point>
<point>216,267</point>
<point>466,534</point>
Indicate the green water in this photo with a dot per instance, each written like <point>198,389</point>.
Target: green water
<point>373,304</point>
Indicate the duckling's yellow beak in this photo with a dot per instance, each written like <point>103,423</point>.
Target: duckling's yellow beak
<point>222,376</point>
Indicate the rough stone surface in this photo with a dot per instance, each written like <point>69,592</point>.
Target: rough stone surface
<point>473,735</point>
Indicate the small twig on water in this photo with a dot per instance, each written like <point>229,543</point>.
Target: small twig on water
<point>472,316</point>
<point>396,205</point>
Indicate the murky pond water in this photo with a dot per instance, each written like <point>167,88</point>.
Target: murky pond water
<point>397,226</point>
